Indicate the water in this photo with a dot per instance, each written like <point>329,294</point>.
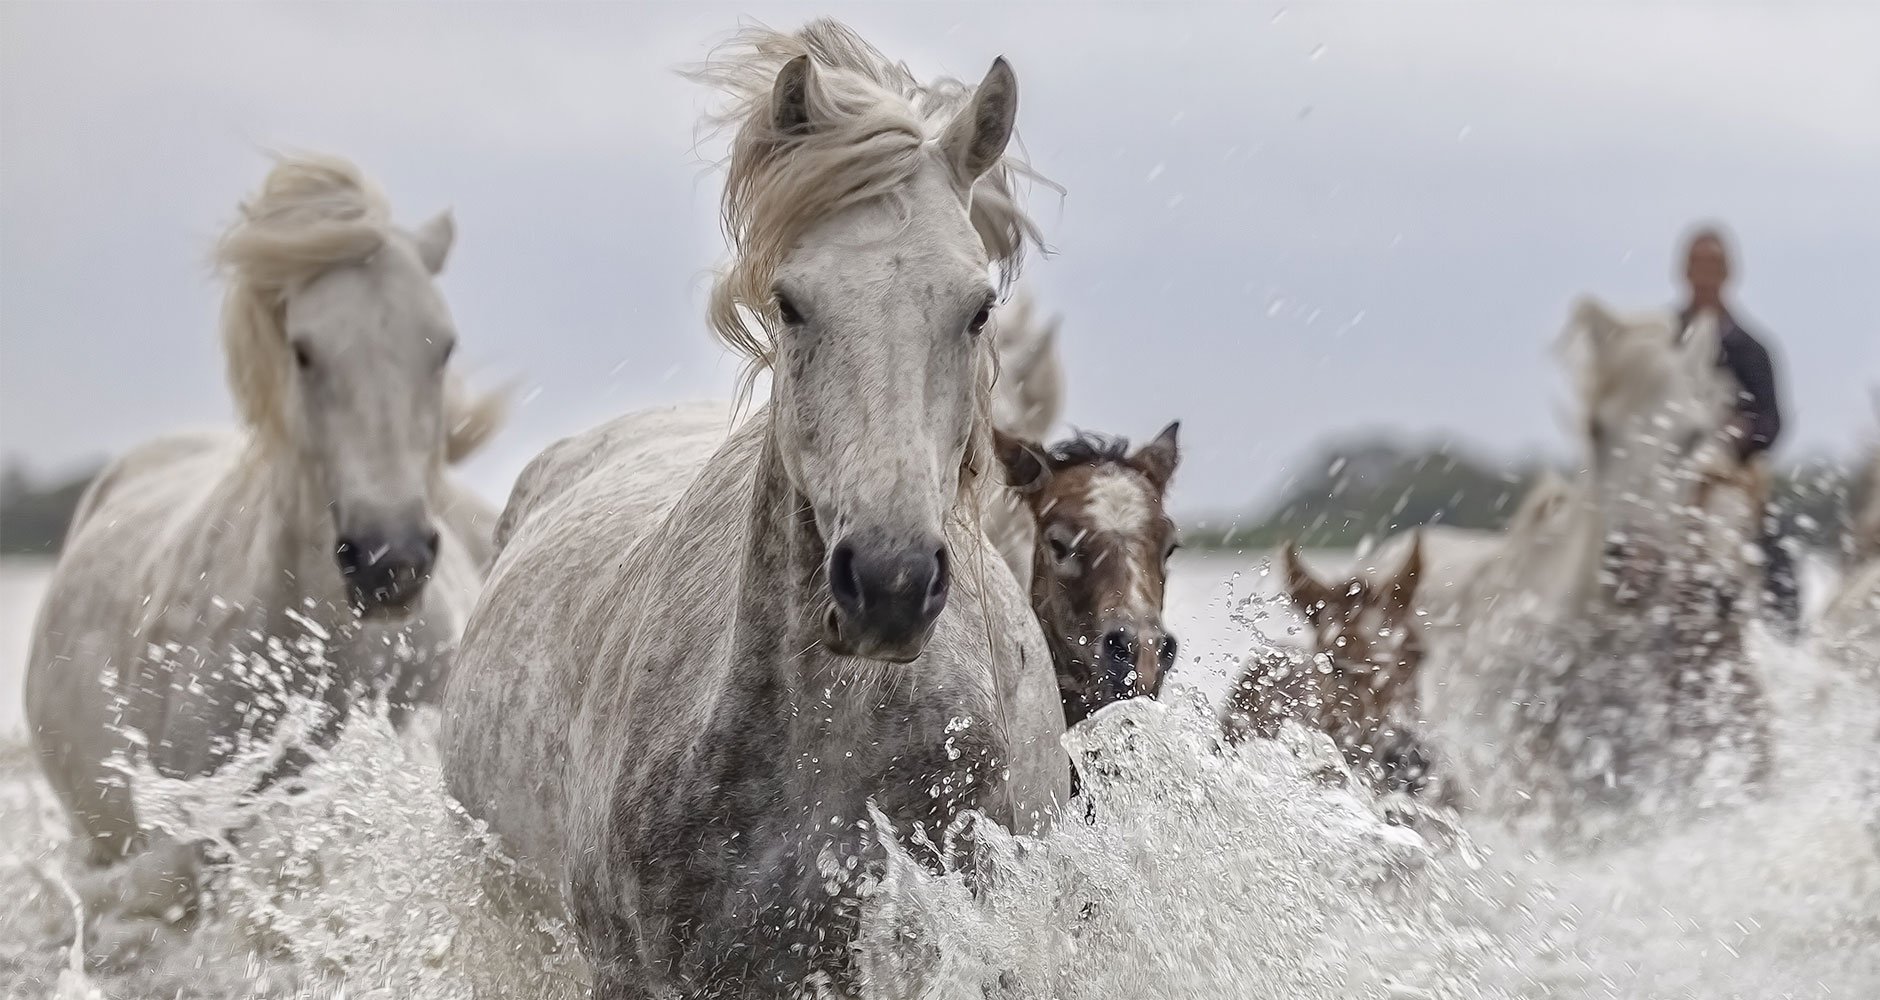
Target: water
<point>1251,873</point>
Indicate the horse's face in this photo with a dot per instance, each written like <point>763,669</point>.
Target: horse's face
<point>1653,403</point>
<point>1367,628</point>
<point>1101,564</point>
<point>369,342</point>
<point>881,372</point>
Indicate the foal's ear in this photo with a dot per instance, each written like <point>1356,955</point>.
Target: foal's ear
<point>434,239</point>
<point>789,96</point>
<point>976,138</point>
<point>1598,320</point>
<point>1026,471</point>
<point>1158,458</point>
<point>1308,595</point>
<point>1403,587</point>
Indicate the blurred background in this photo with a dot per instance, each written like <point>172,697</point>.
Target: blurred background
<point>1337,244</point>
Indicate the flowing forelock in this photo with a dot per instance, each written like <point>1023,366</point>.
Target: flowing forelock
<point>312,213</point>
<point>873,116</point>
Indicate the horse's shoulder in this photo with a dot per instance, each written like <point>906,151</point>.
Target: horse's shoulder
<point>183,459</point>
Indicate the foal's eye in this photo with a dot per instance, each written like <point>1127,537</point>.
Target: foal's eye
<point>1060,549</point>
<point>980,319</point>
<point>787,311</point>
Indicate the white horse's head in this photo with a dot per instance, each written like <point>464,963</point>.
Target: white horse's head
<point>1653,400</point>
<point>337,341</point>
<point>865,256</point>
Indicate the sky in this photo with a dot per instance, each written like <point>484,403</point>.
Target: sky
<point>1279,224</point>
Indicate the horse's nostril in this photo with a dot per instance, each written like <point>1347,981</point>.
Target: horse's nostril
<point>844,585</point>
<point>1120,644</point>
<point>349,554</point>
<point>942,576</point>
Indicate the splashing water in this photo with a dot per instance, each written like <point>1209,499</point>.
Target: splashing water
<point>1201,872</point>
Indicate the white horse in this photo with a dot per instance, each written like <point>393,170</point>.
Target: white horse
<point>1854,613</point>
<point>690,677</point>
<point>1027,400</point>
<point>1656,466</point>
<point>1612,609</point>
<point>320,550</point>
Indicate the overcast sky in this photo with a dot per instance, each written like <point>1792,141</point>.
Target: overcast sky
<point>1280,224</point>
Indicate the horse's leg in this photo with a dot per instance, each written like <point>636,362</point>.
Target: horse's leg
<point>143,903</point>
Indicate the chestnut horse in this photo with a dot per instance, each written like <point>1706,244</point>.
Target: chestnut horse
<point>1099,565</point>
<point>1357,682</point>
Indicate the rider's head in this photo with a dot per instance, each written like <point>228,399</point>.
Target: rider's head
<point>1706,265</point>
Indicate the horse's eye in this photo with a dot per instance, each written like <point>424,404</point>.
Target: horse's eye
<point>787,311</point>
<point>980,319</point>
<point>303,358</point>
<point>1170,553</point>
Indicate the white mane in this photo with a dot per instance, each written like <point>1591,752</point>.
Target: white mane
<point>778,184</point>
<point>1029,395</point>
<point>313,212</point>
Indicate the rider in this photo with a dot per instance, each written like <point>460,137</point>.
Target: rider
<point>1758,418</point>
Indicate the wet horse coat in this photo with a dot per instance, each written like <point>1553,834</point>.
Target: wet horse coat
<point>686,684</point>
<point>320,550</point>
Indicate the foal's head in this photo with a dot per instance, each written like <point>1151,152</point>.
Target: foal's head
<point>1367,628</point>
<point>867,260</point>
<point>337,341</point>
<point>1101,563</point>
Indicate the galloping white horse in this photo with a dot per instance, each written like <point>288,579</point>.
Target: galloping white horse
<point>689,677</point>
<point>1657,476</point>
<point>1612,609</point>
<point>320,550</point>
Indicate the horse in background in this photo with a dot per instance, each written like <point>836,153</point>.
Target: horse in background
<point>702,686</point>
<point>1027,399</point>
<point>1357,679</point>
<point>1854,612</point>
<point>1100,564</point>
<point>320,551</point>
<point>1606,632</point>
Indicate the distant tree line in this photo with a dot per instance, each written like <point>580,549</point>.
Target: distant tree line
<point>1372,489</point>
<point>34,515</point>
<point>1359,489</point>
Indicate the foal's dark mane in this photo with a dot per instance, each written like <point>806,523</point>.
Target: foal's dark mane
<point>1090,448</point>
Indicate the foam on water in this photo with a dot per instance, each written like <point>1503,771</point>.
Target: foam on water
<point>1203,873</point>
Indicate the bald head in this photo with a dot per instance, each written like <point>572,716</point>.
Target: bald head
<point>1706,267</point>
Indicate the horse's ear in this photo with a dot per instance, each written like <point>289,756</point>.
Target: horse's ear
<point>1592,314</point>
<point>789,96</point>
<point>1308,595</point>
<point>1158,458</point>
<point>975,139</point>
<point>1404,587</point>
<point>434,239</point>
<point>1026,471</point>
